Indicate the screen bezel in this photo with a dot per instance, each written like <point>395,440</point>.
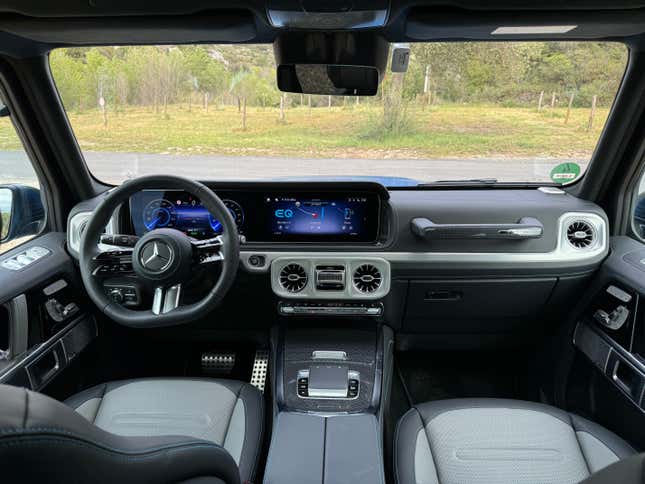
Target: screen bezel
<point>252,201</point>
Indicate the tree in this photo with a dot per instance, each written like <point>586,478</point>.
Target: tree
<point>207,75</point>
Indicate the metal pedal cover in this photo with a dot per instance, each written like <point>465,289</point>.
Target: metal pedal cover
<point>260,368</point>
<point>218,362</point>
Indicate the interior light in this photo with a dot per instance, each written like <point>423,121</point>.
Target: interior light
<point>533,29</point>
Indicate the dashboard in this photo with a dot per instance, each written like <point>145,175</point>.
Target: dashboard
<point>264,216</point>
<point>350,249</point>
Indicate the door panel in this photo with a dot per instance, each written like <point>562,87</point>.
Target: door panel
<point>607,379</point>
<point>45,321</point>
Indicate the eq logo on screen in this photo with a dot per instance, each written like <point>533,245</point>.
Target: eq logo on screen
<point>284,213</point>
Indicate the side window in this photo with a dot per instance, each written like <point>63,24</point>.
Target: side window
<point>22,213</point>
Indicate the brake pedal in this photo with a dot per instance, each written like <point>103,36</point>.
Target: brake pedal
<point>217,363</point>
<point>260,368</point>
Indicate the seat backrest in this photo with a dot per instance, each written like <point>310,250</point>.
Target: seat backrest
<point>43,440</point>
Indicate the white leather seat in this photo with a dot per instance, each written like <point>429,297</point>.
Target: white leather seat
<point>492,441</point>
<point>226,412</point>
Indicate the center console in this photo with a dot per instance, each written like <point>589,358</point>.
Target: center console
<point>330,388</point>
<point>324,370</point>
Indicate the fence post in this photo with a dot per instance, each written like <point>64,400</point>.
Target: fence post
<point>309,102</point>
<point>244,114</point>
<point>329,102</point>
<point>552,100</point>
<point>426,81</point>
<point>282,108</point>
<point>566,118</point>
<point>592,113</point>
<point>426,88</point>
<point>540,101</point>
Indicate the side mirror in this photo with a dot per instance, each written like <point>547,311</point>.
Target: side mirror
<point>21,210</point>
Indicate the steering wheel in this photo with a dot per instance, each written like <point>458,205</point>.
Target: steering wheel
<point>162,259</point>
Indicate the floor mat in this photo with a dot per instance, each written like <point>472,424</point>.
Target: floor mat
<point>437,376</point>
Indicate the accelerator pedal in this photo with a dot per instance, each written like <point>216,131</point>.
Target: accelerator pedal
<point>217,363</point>
<point>260,369</point>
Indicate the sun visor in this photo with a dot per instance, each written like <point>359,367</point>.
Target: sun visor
<point>426,24</point>
<point>212,27</point>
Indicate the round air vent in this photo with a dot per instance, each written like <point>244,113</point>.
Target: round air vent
<point>293,277</point>
<point>580,234</point>
<point>367,278</point>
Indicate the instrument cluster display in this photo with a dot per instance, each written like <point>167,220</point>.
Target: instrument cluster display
<point>154,209</point>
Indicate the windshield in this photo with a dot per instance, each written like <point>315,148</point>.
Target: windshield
<point>483,112</point>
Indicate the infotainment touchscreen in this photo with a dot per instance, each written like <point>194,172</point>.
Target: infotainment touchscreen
<point>307,218</point>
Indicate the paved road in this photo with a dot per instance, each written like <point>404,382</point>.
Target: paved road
<point>115,167</point>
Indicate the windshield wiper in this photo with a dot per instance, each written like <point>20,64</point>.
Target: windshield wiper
<point>482,181</point>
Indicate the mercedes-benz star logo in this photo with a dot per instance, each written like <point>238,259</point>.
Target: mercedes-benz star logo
<point>156,256</point>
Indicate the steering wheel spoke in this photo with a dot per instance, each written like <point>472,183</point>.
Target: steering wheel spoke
<point>112,262</point>
<point>166,299</point>
<point>207,251</point>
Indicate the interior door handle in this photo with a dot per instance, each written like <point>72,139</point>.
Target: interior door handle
<point>526,228</point>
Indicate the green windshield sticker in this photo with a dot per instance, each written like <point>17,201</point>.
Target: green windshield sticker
<point>565,172</point>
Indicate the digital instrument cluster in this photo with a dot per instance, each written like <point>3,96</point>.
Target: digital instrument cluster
<point>154,209</point>
<point>264,216</point>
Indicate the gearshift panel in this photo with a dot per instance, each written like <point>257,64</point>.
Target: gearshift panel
<point>335,382</point>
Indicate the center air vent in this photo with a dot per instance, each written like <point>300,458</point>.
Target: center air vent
<point>580,234</point>
<point>293,278</point>
<point>367,278</point>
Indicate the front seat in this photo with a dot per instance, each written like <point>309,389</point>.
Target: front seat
<point>150,430</point>
<point>500,441</point>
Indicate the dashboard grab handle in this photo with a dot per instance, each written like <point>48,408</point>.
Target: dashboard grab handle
<point>526,228</point>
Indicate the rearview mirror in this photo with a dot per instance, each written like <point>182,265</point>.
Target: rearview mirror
<point>328,79</point>
<point>331,63</point>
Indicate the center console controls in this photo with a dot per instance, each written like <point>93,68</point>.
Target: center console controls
<point>326,308</point>
<point>329,370</point>
<point>328,381</point>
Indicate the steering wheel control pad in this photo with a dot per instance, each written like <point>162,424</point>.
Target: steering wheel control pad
<point>163,256</point>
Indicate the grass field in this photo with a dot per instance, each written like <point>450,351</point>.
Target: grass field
<point>442,131</point>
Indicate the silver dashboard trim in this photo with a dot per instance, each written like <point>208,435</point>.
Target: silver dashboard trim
<point>564,253</point>
<point>75,223</point>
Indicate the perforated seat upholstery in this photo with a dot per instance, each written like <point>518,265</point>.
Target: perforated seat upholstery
<point>154,430</point>
<point>495,441</point>
<point>226,412</point>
